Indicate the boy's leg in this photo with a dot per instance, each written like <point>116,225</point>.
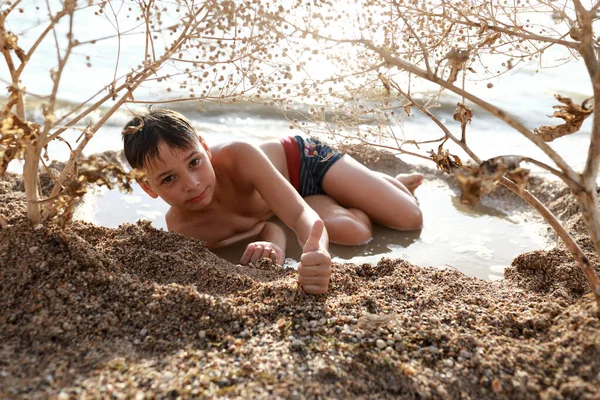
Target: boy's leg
<point>348,226</point>
<point>382,198</point>
<point>405,181</point>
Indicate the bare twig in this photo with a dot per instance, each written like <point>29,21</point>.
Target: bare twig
<point>132,85</point>
<point>573,179</point>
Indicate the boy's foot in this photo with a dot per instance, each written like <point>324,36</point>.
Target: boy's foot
<point>411,181</point>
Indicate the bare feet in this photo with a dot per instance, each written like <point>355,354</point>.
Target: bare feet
<point>411,181</point>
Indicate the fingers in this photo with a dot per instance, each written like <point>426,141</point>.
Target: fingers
<point>312,244</point>
<point>279,257</point>
<point>314,271</point>
<point>256,251</point>
<point>314,279</point>
<point>320,257</point>
<point>314,289</point>
<point>247,254</point>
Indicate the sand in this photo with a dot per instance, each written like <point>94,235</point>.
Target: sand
<point>134,312</point>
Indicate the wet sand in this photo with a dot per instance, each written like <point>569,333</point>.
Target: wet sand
<point>136,312</point>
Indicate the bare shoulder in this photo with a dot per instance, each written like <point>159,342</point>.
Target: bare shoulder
<point>238,158</point>
<point>171,220</point>
<point>175,223</point>
<point>237,148</point>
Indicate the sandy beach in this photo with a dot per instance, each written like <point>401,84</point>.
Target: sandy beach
<point>136,312</point>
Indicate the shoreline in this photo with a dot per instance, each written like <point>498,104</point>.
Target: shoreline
<point>135,312</point>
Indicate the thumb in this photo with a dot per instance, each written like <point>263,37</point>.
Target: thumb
<point>312,244</point>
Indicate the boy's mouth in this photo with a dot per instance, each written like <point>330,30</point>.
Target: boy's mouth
<point>199,197</point>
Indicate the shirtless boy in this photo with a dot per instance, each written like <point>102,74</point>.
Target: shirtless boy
<point>227,193</point>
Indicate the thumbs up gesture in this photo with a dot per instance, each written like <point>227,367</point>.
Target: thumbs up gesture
<point>314,270</point>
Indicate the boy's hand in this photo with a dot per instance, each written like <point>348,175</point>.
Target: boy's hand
<point>314,270</point>
<point>257,250</point>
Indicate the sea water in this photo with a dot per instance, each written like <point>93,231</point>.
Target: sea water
<point>478,241</point>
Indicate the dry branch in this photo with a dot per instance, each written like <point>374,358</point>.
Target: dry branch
<point>573,115</point>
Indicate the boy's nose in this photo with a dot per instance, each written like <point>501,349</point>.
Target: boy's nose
<point>191,182</point>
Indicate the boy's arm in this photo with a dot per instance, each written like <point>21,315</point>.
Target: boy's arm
<point>252,165</point>
<point>273,234</point>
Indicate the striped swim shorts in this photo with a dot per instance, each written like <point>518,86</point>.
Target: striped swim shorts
<point>308,160</point>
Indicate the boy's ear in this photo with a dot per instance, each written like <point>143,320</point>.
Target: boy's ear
<point>147,189</point>
<point>205,146</point>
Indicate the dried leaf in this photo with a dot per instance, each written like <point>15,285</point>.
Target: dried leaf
<point>489,40</point>
<point>519,176</point>
<point>463,114</point>
<point>385,82</point>
<point>456,58</point>
<point>15,135</point>
<point>483,26</point>
<point>95,170</point>
<point>444,160</point>
<point>478,181</point>
<point>573,115</point>
<point>129,130</point>
<point>373,321</point>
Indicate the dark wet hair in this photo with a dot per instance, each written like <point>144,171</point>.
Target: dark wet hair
<point>143,134</point>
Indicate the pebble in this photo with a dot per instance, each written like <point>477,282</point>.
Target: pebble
<point>465,354</point>
<point>389,350</point>
<point>397,337</point>
<point>297,345</point>
<point>33,249</point>
<point>244,334</point>
<point>448,363</point>
<point>63,396</point>
<point>224,382</point>
<point>202,334</point>
<point>381,343</point>
<point>143,332</point>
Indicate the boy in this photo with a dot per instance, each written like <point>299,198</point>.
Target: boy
<point>226,193</point>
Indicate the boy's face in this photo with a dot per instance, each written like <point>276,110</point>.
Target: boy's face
<point>184,178</point>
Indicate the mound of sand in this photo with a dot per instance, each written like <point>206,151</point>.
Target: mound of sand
<point>135,312</point>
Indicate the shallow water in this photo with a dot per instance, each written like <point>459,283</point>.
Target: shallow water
<point>478,241</point>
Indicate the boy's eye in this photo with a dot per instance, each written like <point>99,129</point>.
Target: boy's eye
<point>194,162</point>
<point>168,179</point>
